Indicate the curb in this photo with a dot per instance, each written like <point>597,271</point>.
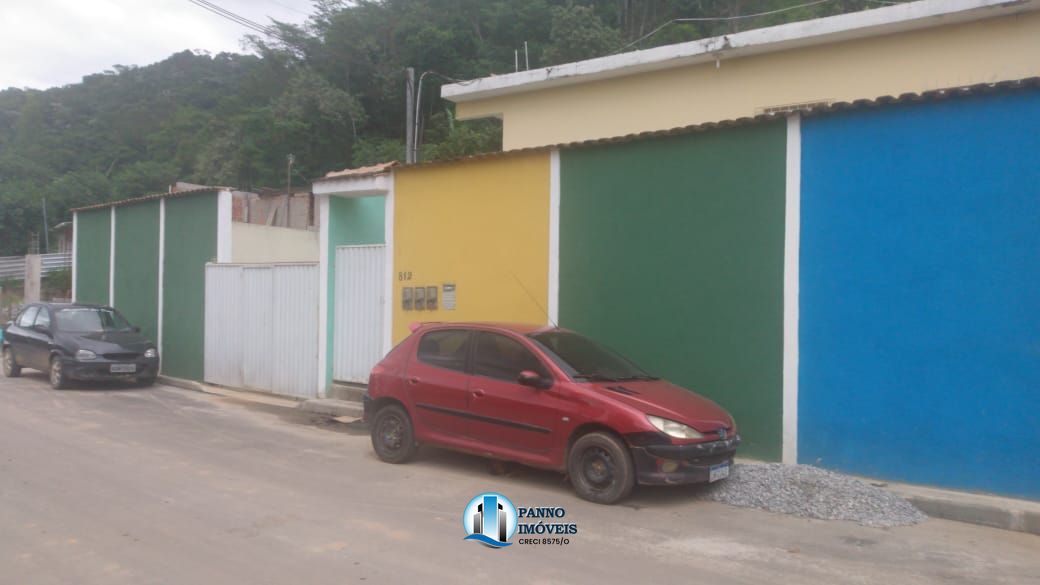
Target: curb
<point>332,407</point>
<point>236,393</point>
<point>980,509</point>
<point>181,383</point>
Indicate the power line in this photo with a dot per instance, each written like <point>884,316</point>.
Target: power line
<point>243,22</point>
<point>720,19</point>
<point>212,7</point>
<point>287,7</point>
<point>238,19</point>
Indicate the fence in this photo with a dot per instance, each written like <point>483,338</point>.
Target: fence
<point>14,266</point>
<point>261,327</point>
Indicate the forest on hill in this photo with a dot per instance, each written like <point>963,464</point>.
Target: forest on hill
<point>331,92</point>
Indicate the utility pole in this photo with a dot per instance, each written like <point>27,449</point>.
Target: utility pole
<point>46,230</point>
<point>288,187</point>
<point>409,115</point>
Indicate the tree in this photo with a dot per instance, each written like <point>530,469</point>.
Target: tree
<point>577,34</point>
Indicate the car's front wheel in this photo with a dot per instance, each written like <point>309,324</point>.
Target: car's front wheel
<point>57,374</point>
<point>600,468</point>
<point>11,368</point>
<point>146,381</point>
<point>392,436</point>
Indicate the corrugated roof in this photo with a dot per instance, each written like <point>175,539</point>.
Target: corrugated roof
<point>359,172</point>
<point>806,110</point>
<point>156,196</point>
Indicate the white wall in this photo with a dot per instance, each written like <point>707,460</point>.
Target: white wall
<point>253,243</point>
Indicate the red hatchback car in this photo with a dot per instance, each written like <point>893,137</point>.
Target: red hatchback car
<point>545,397</point>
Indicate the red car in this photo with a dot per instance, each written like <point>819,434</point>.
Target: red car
<point>545,397</point>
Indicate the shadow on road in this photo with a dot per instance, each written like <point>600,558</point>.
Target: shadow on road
<point>85,385</point>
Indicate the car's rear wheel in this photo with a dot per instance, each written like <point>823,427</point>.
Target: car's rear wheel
<point>600,468</point>
<point>392,436</point>
<point>57,374</point>
<point>11,368</point>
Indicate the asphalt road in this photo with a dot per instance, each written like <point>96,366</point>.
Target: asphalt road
<point>163,485</point>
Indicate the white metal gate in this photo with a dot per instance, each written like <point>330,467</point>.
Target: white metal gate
<point>358,333</point>
<point>262,327</point>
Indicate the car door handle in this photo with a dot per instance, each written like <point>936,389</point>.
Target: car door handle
<point>413,380</point>
<point>478,392</point>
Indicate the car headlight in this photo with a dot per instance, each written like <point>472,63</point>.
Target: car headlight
<point>151,353</point>
<point>85,354</point>
<point>673,429</point>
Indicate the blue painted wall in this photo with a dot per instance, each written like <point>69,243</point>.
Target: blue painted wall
<point>920,293</point>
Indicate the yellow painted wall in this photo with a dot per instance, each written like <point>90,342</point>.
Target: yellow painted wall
<point>482,225</point>
<point>263,243</point>
<point>983,51</point>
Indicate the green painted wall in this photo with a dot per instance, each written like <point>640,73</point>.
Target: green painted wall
<point>136,276</point>
<point>352,222</point>
<point>93,241</point>
<point>191,242</point>
<point>671,251</point>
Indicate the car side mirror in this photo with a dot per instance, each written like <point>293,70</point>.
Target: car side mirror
<point>42,329</point>
<point>533,380</point>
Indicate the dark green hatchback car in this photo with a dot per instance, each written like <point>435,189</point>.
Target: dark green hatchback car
<point>78,342</point>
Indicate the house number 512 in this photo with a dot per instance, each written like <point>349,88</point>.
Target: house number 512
<point>404,275</point>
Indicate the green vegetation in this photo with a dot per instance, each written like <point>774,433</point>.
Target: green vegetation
<point>330,92</point>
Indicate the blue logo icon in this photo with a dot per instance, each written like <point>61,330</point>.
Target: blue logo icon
<point>490,518</point>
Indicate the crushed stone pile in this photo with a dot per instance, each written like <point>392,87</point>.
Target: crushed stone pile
<point>811,492</point>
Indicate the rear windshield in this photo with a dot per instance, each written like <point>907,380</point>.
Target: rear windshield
<point>90,320</point>
<point>581,357</point>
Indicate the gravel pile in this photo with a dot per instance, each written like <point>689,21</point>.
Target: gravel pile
<point>810,492</point>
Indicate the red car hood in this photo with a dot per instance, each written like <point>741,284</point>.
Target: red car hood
<point>664,399</point>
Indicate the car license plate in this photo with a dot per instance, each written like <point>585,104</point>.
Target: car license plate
<point>717,472</point>
<point>122,368</point>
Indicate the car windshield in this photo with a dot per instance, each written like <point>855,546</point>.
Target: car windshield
<point>90,320</point>
<point>583,358</point>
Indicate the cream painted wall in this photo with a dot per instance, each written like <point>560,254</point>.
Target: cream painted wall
<point>981,51</point>
<point>251,243</point>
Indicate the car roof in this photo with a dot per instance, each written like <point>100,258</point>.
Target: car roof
<point>71,305</point>
<point>518,328</point>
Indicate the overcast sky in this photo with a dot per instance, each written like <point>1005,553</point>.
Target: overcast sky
<point>44,43</point>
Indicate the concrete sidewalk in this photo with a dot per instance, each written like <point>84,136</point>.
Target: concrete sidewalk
<point>981,509</point>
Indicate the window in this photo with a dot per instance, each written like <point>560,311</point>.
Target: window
<point>445,349</point>
<point>500,357</point>
<point>583,358</point>
<point>28,316</point>
<point>90,320</point>
<point>44,318</point>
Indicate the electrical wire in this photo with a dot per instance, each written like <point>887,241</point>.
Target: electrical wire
<point>417,126</point>
<point>287,7</point>
<point>234,17</point>
<point>246,24</point>
<point>720,19</point>
<point>238,19</point>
